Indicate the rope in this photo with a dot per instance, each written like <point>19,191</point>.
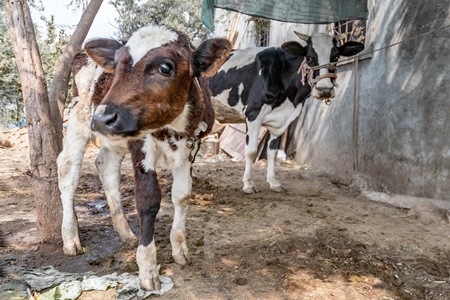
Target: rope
<point>383,48</point>
<point>307,72</point>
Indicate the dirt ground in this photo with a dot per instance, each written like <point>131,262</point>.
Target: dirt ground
<point>321,239</point>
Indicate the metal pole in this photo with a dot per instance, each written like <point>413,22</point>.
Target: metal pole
<point>355,117</point>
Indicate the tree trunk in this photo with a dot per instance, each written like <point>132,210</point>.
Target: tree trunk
<point>42,136</point>
<point>60,83</point>
<point>44,117</point>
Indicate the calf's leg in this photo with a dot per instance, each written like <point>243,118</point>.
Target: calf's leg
<point>148,200</point>
<point>181,190</point>
<point>69,167</point>
<point>108,164</point>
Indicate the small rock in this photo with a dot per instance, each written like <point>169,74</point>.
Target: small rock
<point>199,242</point>
<point>240,281</point>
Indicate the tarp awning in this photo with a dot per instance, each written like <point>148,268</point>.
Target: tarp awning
<point>294,11</point>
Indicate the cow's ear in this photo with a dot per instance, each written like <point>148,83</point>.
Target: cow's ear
<point>294,48</point>
<point>350,48</point>
<point>210,56</point>
<point>103,52</point>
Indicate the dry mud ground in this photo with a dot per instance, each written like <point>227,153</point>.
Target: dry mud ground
<point>319,240</point>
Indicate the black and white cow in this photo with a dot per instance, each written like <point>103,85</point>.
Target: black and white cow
<point>151,97</point>
<point>268,86</point>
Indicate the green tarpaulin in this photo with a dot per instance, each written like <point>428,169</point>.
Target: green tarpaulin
<point>300,11</point>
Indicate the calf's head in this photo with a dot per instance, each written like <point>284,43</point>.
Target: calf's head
<point>154,76</point>
<point>320,55</point>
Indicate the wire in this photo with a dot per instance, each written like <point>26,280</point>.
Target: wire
<point>385,47</point>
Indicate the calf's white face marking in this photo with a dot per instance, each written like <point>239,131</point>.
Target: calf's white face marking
<point>100,110</point>
<point>148,38</point>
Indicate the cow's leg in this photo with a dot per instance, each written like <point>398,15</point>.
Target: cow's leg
<point>148,200</point>
<point>181,190</point>
<point>108,164</point>
<point>272,151</point>
<point>69,167</point>
<point>251,150</point>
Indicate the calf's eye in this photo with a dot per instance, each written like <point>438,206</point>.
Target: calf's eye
<point>166,69</point>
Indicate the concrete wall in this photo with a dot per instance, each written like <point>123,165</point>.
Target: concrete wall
<point>393,127</point>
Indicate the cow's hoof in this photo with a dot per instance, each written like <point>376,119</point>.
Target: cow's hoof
<point>278,189</point>
<point>73,249</point>
<point>250,190</point>
<point>181,259</point>
<point>150,284</point>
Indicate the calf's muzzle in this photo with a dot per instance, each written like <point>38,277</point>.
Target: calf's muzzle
<point>114,120</point>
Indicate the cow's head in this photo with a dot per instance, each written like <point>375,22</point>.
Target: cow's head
<point>154,74</point>
<point>320,55</point>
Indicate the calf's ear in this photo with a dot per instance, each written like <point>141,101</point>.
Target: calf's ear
<point>103,52</point>
<point>350,48</point>
<point>210,56</point>
<point>294,48</point>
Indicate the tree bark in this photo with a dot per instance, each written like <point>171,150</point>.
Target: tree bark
<point>44,117</point>
<point>60,83</point>
<point>42,136</point>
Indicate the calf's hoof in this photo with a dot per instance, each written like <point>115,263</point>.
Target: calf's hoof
<point>250,190</point>
<point>130,243</point>
<point>181,258</point>
<point>73,249</point>
<point>150,284</point>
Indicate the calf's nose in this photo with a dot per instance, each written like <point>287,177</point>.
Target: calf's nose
<point>114,120</point>
<point>105,123</point>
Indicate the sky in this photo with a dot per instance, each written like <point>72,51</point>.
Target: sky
<point>103,25</point>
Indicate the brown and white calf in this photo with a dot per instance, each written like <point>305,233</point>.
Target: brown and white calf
<point>149,96</point>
